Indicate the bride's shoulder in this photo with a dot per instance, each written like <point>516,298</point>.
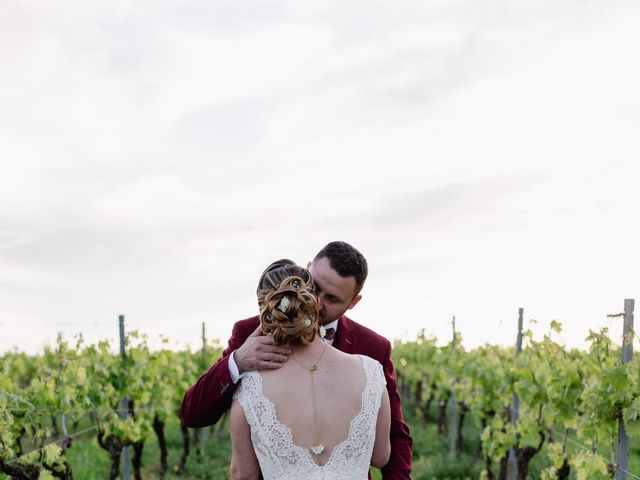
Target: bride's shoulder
<point>369,362</point>
<point>372,368</point>
<point>360,361</point>
<point>346,361</point>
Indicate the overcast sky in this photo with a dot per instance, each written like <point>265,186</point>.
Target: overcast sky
<point>156,155</point>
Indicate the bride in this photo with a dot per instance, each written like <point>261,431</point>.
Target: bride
<point>324,414</point>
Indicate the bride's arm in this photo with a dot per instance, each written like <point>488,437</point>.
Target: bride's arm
<point>382,445</point>
<point>244,463</point>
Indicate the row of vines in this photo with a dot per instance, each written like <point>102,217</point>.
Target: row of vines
<point>564,395</point>
<point>46,400</point>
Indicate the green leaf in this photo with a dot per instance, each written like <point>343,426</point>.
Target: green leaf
<point>51,453</point>
<point>556,326</point>
<point>589,466</point>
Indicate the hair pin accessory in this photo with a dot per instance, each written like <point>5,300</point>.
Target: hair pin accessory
<point>284,304</point>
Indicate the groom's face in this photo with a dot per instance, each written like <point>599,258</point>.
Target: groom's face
<point>335,293</point>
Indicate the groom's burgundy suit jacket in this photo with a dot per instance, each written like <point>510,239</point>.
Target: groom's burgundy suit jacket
<point>210,397</point>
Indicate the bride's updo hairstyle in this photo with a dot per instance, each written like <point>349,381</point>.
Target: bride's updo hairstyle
<point>288,303</point>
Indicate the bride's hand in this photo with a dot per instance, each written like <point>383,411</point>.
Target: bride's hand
<point>258,352</point>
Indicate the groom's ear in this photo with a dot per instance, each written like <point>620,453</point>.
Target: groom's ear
<point>354,302</point>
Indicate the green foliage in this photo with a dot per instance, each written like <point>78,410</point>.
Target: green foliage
<point>590,467</point>
<point>582,394</point>
<point>69,383</point>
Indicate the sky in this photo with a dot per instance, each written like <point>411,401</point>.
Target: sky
<point>155,156</point>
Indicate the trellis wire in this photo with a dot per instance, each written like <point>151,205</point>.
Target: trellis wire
<point>589,449</point>
<point>82,410</point>
<point>15,459</point>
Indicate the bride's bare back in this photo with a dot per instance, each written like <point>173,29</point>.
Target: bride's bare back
<point>273,428</point>
<point>338,385</point>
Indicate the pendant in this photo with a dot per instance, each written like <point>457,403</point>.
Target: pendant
<point>318,449</point>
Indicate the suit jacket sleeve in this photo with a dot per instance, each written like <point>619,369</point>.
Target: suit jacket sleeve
<point>399,465</point>
<point>210,397</point>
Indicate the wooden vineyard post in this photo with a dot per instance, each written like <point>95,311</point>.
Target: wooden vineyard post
<point>125,403</point>
<point>453,406</point>
<point>515,409</point>
<point>199,436</point>
<point>627,353</point>
<point>205,431</point>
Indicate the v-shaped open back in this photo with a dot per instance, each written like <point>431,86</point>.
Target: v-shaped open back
<point>273,443</point>
<point>338,437</point>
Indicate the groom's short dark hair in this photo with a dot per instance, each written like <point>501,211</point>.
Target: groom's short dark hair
<point>347,261</point>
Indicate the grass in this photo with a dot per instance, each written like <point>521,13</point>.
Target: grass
<point>431,456</point>
<point>90,462</point>
<point>431,460</point>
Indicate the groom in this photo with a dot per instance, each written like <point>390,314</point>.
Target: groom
<point>339,272</point>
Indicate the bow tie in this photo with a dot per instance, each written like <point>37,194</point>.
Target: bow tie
<point>329,333</point>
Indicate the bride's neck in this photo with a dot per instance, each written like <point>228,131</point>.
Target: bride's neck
<point>309,349</point>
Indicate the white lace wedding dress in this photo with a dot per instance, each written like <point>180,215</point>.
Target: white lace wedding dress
<point>272,441</point>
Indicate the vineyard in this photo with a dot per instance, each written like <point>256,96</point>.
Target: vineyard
<point>566,413</point>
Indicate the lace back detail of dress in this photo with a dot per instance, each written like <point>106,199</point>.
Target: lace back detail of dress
<point>273,442</point>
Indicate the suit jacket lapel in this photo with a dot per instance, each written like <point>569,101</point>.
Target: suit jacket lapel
<point>344,340</point>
